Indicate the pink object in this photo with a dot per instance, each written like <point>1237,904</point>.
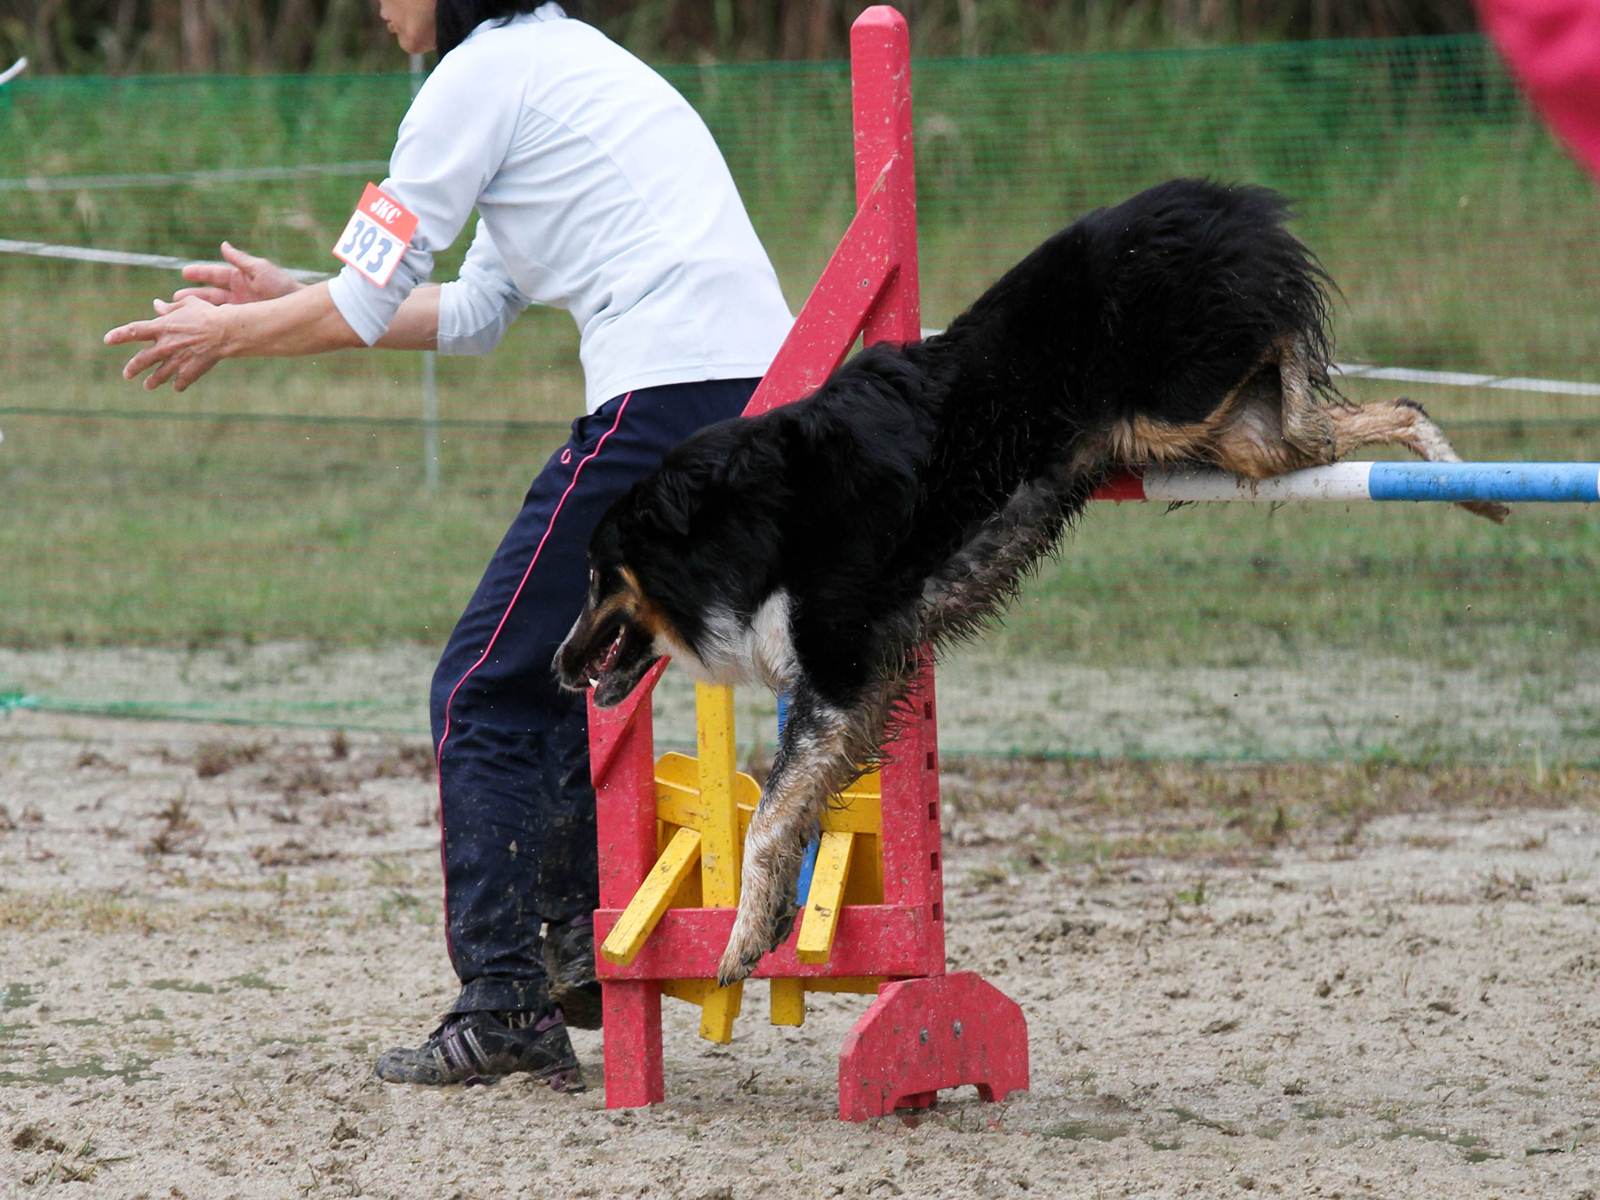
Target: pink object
<point>1553,47</point>
<point>926,1030</point>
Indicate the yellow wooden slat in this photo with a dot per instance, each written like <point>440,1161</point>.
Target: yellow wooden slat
<point>644,911</point>
<point>821,920</point>
<point>719,850</point>
<point>853,813</point>
<point>678,791</point>
<point>857,809</point>
<point>678,799</point>
<point>788,1004</point>
<point>717,1012</point>
<point>866,984</point>
<point>694,991</point>
<point>719,837</point>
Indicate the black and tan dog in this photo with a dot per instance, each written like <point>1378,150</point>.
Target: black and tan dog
<point>815,548</point>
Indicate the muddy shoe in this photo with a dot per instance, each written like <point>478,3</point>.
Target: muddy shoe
<point>484,1047</point>
<point>569,963</point>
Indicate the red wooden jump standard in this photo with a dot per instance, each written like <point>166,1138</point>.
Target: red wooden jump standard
<point>926,1030</point>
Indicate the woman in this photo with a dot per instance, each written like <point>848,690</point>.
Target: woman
<point>599,191</point>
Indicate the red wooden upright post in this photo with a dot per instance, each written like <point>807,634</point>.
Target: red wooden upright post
<point>885,144</point>
<point>933,1031</point>
<point>622,764</point>
<point>885,148</point>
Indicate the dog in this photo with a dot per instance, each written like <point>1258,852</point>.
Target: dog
<point>816,548</point>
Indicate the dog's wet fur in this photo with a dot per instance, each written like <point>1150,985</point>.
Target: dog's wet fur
<point>815,548</point>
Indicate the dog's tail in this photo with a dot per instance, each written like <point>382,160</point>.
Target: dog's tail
<point>1158,305</point>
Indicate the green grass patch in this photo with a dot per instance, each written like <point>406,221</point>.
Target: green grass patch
<point>284,501</point>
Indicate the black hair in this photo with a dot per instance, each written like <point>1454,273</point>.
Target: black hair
<point>454,19</point>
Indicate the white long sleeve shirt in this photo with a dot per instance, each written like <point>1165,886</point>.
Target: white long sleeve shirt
<point>599,190</point>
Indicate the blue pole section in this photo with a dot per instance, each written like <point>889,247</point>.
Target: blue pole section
<point>1507,483</point>
<point>808,864</point>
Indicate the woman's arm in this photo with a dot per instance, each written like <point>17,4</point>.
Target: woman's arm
<point>416,323</point>
<point>190,336</point>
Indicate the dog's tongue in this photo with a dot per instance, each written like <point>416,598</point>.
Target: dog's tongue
<point>612,651</point>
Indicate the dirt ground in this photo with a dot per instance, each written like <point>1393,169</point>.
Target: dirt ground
<point>1297,981</point>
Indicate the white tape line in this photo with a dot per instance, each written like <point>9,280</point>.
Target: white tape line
<point>1414,375</point>
<point>1506,383</point>
<point>11,72</point>
<point>1564,387</point>
<point>122,258</point>
<point>89,183</point>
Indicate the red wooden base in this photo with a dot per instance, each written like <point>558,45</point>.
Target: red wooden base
<point>921,1035</point>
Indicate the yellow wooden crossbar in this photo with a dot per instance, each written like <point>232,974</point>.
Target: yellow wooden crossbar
<point>821,920</point>
<point>644,911</point>
<point>719,838</point>
<point>858,810</point>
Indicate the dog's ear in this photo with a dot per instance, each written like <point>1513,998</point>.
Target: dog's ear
<point>675,496</point>
<point>717,471</point>
<point>676,500</point>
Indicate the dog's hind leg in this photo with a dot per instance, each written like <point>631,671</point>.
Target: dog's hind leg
<point>1402,422</point>
<point>1306,402</point>
<point>819,754</point>
<point>1317,427</point>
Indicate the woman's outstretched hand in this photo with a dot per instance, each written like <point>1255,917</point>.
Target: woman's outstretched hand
<point>239,279</point>
<point>187,339</point>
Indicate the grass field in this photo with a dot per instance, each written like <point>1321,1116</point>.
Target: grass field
<point>284,502</point>
<point>281,500</point>
<point>231,517</point>
<point>1460,234</point>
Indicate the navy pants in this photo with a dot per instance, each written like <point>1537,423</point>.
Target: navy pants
<point>516,807</point>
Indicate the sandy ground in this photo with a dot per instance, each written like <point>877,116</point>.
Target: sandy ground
<point>1329,982</point>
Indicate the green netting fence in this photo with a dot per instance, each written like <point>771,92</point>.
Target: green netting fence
<point>266,547</point>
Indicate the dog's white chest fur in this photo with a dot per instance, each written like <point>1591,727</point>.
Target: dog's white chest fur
<point>734,649</point>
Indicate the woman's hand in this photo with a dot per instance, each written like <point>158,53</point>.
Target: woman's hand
<point>187,339</point>
<point>240,279</point>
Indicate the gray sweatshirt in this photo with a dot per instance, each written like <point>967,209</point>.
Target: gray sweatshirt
<point>599,190</point>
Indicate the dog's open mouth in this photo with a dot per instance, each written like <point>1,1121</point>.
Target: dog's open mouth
<point>608,659</point>
<point>611,662</point>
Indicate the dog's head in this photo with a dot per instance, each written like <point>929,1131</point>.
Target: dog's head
<point>658,561</point>
<point>614,641</point>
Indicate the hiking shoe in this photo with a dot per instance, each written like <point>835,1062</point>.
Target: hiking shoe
<point>569,964</point>
<point>484,1047</point>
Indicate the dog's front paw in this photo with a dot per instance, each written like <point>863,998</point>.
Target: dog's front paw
<point>1487,508</point>
<point>765,919</point>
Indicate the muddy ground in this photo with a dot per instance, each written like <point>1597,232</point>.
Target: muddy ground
<point>1293,981</point>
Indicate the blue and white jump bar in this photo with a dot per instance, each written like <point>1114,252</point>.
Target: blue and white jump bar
<point>1506,483</point>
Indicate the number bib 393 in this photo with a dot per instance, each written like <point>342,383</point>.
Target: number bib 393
<point>376,237</point>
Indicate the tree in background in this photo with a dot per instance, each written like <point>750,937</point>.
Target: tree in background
<point>126,36</point>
